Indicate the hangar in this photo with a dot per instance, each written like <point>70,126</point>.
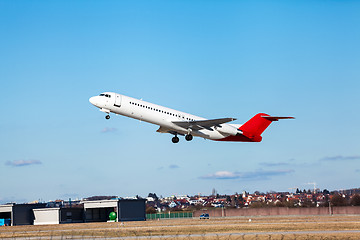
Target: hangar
<point>19,214</point>
<point>58,215</point>
<point>125,209</point>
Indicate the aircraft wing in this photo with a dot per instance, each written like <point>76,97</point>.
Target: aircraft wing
<point>168,130</point>
<point>201,124</point>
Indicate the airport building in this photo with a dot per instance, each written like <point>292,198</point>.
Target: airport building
<point>19,214</point>
<point>125,209</point>
<point>87,211</point>
<point>58,215</point>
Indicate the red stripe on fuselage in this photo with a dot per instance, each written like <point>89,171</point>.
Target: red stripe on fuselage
<point>239,138</point>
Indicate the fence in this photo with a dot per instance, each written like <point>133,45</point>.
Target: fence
<point>352,210</point>
<point>230,212</point>
<point>169,215</point>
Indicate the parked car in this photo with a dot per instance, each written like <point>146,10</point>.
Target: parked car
<point>204,216</point>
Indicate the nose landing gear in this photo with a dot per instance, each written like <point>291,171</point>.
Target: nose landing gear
<point>107,116</point>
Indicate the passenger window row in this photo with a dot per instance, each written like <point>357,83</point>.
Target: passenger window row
<point>158,110</point>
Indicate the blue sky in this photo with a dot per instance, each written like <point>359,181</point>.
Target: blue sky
<point>210,58</point>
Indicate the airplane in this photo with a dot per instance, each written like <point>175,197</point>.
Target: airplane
<point>181,123</point>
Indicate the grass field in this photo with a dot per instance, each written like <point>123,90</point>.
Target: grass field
<point>279,227</point>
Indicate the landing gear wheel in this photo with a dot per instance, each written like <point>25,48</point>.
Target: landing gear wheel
<point>107,117</point>
<point>175,139</point>
<point>188,137</point>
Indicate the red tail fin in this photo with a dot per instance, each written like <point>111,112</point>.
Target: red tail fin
<point>257,125</point>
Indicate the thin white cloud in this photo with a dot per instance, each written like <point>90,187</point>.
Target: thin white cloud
<point>341,158</point>
<point>272,164</point>
<point>109,130</point>
<point>289,162</point>
<point>22,163</point>
<point>258,174</point>
<point>173,166</point>
<point>223,175</point>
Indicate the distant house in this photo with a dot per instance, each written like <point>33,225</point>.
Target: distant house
<point>217,205</point>
<point>196,201</point>
<point>173,204</point>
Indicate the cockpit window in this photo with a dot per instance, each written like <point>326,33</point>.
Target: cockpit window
<point>105,95</point>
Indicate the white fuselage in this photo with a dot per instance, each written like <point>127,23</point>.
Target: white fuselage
<point>158,115</point>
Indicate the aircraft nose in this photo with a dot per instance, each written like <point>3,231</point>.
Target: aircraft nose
<point>92,100</point>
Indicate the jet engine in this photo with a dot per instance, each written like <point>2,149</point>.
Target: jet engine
<point>228,130</point>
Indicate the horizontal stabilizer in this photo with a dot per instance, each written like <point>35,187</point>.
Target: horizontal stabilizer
<point>272,118</point>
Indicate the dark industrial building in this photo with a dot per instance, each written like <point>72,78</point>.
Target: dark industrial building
<point>125,209</point>
<point>19,214</point>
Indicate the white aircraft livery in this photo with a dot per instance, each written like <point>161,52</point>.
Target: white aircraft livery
<point>181,123</point>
